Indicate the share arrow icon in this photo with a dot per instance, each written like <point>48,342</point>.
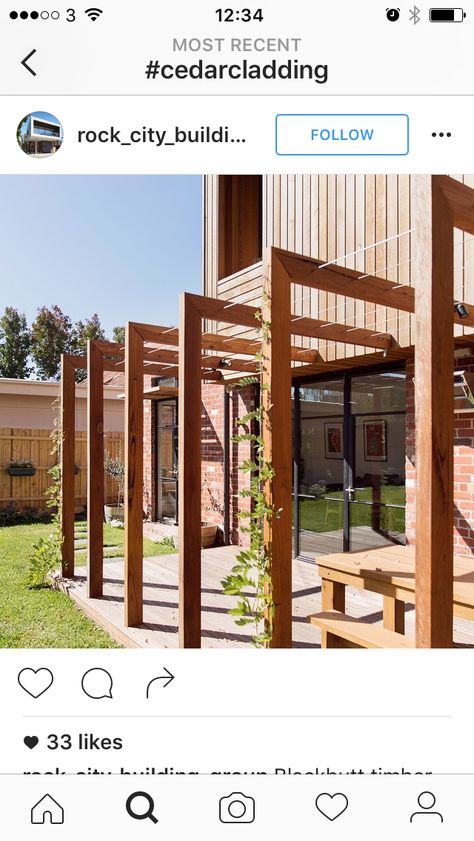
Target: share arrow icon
<point>26,66</point>
<point>167,678</point>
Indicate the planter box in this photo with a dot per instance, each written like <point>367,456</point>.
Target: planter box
<point>208,535</point>
<point>114,512</point>
<point>21,471</point>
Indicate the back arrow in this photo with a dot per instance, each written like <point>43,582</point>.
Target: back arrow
<point>25,65</point>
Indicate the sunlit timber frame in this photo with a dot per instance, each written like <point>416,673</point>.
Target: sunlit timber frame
<point>67,432</point>
<point>101,357</point>
<point>440,204</point>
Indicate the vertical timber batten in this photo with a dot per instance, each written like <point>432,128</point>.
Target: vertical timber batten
<point>434,397</point>
<point>67,455</point>
<point>133,477</point>
<point>95,470</point>
<point>189,455</point>
<point>277,436</point>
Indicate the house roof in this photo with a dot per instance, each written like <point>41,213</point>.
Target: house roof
<point>48,388</point>
<point>114,380</point>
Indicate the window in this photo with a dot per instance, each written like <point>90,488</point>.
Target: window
<point>240,222</point>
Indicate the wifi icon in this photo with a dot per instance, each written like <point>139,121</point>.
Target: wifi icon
<point>93,14</point>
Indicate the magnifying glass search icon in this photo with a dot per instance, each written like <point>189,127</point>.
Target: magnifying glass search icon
<point>143,813</point>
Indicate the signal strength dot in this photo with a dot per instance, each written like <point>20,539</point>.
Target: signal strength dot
<point>94,14</point>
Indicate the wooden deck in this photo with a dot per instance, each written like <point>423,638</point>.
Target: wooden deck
<point>160,626</point>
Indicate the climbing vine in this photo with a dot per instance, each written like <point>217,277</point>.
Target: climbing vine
<point>46,553</point>
<point>250,579</point>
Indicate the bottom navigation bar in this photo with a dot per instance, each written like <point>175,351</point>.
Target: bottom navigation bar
<point>337,805</point>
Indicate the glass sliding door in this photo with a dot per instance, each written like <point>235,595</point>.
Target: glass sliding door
<point>167,461</point>
<point>377,496</point>
<point>320,491</point>
<point>349,476</point>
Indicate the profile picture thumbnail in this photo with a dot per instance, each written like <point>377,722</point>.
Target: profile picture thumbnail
<point>40,134</point>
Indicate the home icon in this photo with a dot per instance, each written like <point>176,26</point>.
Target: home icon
<point>47,810</point>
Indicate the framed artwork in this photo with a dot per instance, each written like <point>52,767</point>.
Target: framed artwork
<point>375,440</point>
<point>333,440</point>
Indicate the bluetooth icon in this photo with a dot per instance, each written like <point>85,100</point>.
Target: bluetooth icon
<point>415,15</point>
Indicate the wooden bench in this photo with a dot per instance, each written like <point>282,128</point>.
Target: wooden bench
<point>341,631</point>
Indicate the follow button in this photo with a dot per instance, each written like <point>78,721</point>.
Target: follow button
<point>342,134</point>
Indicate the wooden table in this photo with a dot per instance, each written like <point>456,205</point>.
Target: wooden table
<point>389,571</point>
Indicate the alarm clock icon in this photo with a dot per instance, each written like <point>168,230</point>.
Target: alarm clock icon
<point>393,15</point>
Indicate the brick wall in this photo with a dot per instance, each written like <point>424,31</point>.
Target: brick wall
<point>212,437</point>
<point>463,514</point>
<point>149,456</point>
<point>212,416</point>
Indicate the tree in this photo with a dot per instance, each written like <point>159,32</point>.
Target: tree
<point>84,330</point>
<point>118,335</point>
<point>51,335</point>
<point>14,345</point>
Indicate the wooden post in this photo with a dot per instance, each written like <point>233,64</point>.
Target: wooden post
<point>67,454</point>
<point>189,455</point>
<point>333,597</point>
<point>95,470</point>
<point>394,614</point>
<point>133,477</point>
<point>277,435</point>
<point>434,397</point>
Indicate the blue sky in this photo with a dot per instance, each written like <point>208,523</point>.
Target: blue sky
<point>121,246</point>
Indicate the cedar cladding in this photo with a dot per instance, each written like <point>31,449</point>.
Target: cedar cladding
<point>322,216</point>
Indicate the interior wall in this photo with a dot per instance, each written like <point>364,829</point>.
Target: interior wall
<point>317,467</point>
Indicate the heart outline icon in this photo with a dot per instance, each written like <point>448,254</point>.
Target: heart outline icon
<point>31,675</point>
<point>326,800</point>
<point>31,741</point>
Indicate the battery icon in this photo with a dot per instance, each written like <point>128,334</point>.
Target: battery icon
<point>447,15</point>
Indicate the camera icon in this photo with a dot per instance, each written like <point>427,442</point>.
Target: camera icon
<point>237,808</point>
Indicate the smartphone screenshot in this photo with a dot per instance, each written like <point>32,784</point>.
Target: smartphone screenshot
<point>236,420</point>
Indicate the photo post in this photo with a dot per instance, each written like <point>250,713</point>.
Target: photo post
<point>236,420</point>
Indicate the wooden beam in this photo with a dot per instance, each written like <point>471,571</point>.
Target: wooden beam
<point>352,284</point>
<point>111,348</point>
<point>162,391</point>
<point>170,357</point>
<point>226,311</point>
<point>350,362</point>
<point>250,347</point>
<point>277,436</point>
<point>95,470</point>
<point>67,456</point>
<point>189,454</point>
<point>156,334</point>
<point>78,362</point>
<point>230,364</point>
<point>168,372</point>
<point>244,315</point>
<point>304,355</point>
<point>315,328</point>
<point>229,344</point>
<point>348,282</point>
<point>133,476</point>
<point>434,405</point>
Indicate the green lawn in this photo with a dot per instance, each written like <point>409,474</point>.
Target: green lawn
<point>46,618</point>
<point>326,514</point>
<point>115,538</point>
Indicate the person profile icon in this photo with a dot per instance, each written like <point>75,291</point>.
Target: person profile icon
<point>427,802</point>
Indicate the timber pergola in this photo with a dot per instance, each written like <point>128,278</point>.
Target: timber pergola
<point>101,357</point>
<point>193,356</point>
<point>197,361</point>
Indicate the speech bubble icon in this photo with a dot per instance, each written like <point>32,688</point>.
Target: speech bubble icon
<point>97,684</point>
